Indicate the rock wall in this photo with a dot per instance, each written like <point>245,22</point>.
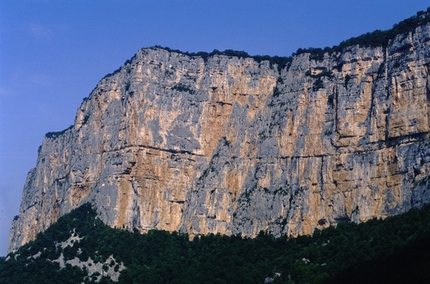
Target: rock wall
<point>234,145</point>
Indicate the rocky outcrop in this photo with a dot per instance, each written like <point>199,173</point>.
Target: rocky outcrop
<point>225,144</point>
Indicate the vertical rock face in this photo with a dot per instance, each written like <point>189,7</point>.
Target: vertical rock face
<point>229,145</point>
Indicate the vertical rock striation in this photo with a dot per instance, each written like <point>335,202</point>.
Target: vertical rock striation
<point>225,144</point>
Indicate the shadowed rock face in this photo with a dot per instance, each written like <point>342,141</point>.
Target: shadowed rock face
<point>231,145</point>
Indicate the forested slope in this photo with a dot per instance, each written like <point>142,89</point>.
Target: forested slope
<point>394,250</point>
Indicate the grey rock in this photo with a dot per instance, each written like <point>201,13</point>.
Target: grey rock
<point>230,145</point>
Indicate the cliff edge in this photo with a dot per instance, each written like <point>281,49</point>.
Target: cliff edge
<point>236,144</point>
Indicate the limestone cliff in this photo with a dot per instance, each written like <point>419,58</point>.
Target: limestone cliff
<point>225,144</point>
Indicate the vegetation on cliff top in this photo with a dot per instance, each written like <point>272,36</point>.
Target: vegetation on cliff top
<point>55,134</point>
<point>370,39</point>
<point>394,250</point>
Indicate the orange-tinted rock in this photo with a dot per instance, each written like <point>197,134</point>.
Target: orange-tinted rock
<point>231,145</point>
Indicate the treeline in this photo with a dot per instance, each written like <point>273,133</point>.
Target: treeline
<point>381,38</point>
<point>280,61</point>
<point>370,39</point>
<point>394,250</point>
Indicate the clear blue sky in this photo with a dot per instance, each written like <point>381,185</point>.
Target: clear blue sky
<point>53,53</point>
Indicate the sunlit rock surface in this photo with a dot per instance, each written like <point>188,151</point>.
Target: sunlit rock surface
<point>233,145</point>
